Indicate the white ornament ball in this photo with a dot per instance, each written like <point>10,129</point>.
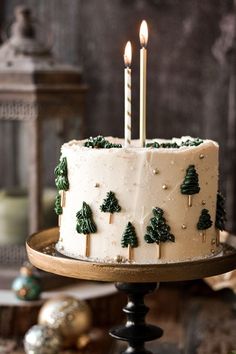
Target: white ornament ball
<point>42,340</point>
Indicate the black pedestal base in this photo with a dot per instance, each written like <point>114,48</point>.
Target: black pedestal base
<point>136,332</point>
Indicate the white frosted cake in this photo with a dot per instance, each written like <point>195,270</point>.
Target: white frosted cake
<point>156,204</point>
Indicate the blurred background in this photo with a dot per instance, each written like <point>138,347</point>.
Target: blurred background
<point>71,70</point>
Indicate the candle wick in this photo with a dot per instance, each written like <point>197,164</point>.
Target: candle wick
<point>127,62</point>
<point>143,41</point>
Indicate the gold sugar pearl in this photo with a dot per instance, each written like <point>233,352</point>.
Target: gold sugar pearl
<point>212,251</point>
<point>213,241</point>
<point>155,171</point>
<point>184,227</point>
<point>164,186</point>
<point>201,156</point>
<point>203,202</point>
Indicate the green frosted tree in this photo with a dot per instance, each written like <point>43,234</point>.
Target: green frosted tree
<point>204,223</point>
<point>129,239</point>
<point>85,225</point>
<point>158,231</point>
<point>190,184</point>
<point>110,205</point>
<point>61,175</point>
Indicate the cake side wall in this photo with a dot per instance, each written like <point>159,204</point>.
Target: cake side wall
<point>129,173</point>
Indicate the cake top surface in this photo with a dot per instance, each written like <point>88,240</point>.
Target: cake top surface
<point>161,145</point>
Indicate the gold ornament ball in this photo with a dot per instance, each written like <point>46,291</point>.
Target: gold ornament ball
<point>71,317</point>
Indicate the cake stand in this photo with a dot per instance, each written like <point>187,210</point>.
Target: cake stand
<point>136,280</point>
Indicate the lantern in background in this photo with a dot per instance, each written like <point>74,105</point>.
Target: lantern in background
<point>34,88</point>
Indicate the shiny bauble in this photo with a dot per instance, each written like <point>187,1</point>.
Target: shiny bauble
<point>27,285</point>
<point>42,340</point>
<point>71,317</point>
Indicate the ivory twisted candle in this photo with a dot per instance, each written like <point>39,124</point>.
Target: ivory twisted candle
<point>143,36</point>
<point>127,93</point>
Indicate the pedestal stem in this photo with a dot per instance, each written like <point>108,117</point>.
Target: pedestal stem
<point>136,332</point>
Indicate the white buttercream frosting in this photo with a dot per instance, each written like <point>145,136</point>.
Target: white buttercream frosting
<point>129,173</point>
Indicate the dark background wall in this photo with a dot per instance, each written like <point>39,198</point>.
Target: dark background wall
<point>191,69</point>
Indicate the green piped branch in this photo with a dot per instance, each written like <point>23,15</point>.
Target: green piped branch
<point>174,144</point>
<point>85,225</point>
<point>110,205</point>
<point>58,208</point>
<point>190,185</point>
<point>158,231</point>
<point>167,145</point>
<point>99,142</point>
<point>220,212</point>
<point>204,223</point>
<point>129,240</point>
<point>61,175</point>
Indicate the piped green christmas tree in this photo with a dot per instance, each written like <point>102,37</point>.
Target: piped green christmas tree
<point>129,239</point>
<point>61,179</point>
<point>85,225</point>
<point>158,231</point>
<point>204,223</point>
<point>190,184</point>
<point>110,205</point>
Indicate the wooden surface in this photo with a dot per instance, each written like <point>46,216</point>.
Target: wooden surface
<point>191,83</point>
<point>58,264</point>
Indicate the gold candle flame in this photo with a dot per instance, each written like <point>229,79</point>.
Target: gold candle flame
<point>128,54</point>
<point>143,34</point>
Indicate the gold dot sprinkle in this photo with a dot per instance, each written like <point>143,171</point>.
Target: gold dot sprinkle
<point>213,241</point>
<point>155,171</point>
<point>212,251</point>
<point>97,185</point>
<point>164,187</point>
<point>203,202</point>
<point>201,156</point>
<point>184,227</point>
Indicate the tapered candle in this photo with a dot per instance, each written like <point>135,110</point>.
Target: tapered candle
<point>143,37</point>
<point>127,92</point>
